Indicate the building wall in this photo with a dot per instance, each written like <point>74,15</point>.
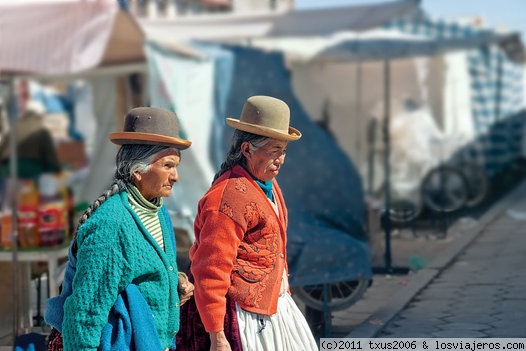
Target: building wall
<point>183,8</point>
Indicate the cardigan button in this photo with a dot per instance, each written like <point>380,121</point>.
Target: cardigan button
<point>282,255</point>
<point>177,304</point>
<point>171,268</point>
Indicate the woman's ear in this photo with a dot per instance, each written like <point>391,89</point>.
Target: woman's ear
<point>137,177</point>
<point>245,148</point>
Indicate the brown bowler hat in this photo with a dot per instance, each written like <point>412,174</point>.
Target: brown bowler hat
<point>151,126</point>
<point>266,116</point>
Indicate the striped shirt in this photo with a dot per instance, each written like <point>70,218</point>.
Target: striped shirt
<point>147,212</point>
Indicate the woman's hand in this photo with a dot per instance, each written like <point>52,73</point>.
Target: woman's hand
<point>185,288</point>
<point>219,342</point>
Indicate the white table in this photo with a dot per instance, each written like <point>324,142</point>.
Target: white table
<point>51,255</point>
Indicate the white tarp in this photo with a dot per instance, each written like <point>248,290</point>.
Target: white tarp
<point>54,37</point>
<point>186,87</point>
<point>340,79</point>
<point>374,44</point>
<point>403,46</point>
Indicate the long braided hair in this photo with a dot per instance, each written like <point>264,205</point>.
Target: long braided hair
<point>235,155</point>
<point>131,158</point>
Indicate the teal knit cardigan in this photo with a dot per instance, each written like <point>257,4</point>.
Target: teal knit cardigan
<point>115,250</point>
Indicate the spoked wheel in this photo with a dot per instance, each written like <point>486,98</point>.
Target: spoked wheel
<point>340,295</point>
<point>404,207</point>
<point>478,183</point>
<point>404,211</point>
<point>445,189</point>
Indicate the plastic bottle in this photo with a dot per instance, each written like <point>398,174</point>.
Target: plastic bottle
<point>7,229</point>
<point>51,212</point>
<point>28,199</point>
<point>66,192</point>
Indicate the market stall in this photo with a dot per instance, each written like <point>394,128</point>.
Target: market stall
<point>75,40</point>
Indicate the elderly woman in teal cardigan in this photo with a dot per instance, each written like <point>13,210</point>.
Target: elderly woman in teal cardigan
<point>122,265</point>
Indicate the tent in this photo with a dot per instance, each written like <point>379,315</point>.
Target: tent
<point>217,85</point>
<point>75,39</point>
<point>452,38</point>
<point>385,47</point>
<point>304,50</point>
<point>342,49</point>
<point>346,62</point>
<point>93,34</point>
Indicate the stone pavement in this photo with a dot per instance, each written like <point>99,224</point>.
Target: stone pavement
<point>472,283</point>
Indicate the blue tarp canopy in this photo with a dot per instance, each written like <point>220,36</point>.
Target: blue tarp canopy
<point>327,241</point>
<point>322,188</point>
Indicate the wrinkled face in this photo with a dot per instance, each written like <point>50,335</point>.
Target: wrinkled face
<point>264,163</point>
<point>158,181</point>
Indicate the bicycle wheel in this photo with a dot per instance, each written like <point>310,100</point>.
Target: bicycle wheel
<point>478,183</point>
<point>340,294</point>
<point>403,207</point>
<point>444,189</point>
<point>404,211</point>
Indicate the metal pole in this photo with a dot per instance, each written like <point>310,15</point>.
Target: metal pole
<point>326,312</point>
<point>387,168</point>
<point>388,268</point>
<point>358,144</point>
<point>12,113</point>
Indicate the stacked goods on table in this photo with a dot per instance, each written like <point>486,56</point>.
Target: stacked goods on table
<point>44,208</point>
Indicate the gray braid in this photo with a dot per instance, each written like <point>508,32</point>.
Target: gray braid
<point>235,156</point>
<point>116,187</point>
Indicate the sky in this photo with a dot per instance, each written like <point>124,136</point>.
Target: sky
<point>507,14</point>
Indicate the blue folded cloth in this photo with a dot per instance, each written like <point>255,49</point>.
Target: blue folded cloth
<point>29,347</point>
<point>30,342</point>
<point>131,325</point>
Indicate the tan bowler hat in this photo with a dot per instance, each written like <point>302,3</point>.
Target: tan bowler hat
<point>265,116</point>
<point>151,126</point>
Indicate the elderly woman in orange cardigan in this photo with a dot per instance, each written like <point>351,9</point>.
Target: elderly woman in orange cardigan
<point>238,260</point>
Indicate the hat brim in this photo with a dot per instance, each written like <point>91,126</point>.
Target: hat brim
<point>292,135</point>
<point>121,138</point>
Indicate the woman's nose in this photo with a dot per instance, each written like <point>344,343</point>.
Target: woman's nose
<point>174,175</point>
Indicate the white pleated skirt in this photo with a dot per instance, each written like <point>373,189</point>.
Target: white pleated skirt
<point>287,330</point>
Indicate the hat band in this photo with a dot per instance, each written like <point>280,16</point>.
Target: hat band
<point>121,138</point>
<point>291,134</point>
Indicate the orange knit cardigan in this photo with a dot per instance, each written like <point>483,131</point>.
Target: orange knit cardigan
<point>239,249</point>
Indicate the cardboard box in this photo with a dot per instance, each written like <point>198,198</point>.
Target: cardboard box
<point>72,154</point>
